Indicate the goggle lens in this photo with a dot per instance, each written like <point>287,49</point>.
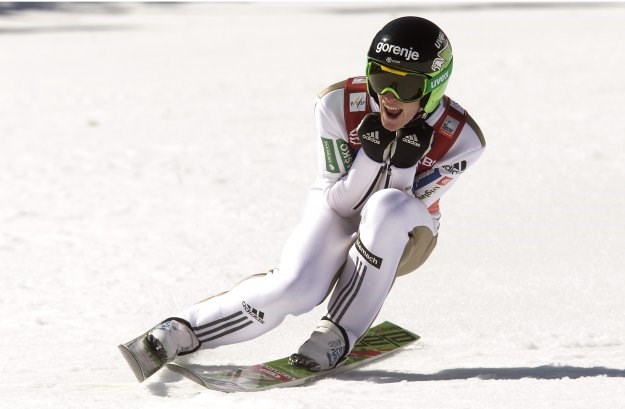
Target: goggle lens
<point>406,86</point>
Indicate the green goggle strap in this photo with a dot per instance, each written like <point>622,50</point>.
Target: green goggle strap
<point>439,79</point>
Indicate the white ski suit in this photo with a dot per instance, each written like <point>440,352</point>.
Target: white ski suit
<point>364,224</point>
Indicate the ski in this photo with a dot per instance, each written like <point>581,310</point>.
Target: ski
<point>141,357</point>
<point>379,342</point>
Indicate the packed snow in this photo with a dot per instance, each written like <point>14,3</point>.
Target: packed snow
<point>153,155</point>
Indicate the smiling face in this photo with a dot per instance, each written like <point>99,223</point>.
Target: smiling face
<point>396,114</point>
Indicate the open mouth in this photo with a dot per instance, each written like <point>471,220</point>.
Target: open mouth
<point>392,112</point>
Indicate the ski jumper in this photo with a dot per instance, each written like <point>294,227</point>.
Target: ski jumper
<point>364,224</point>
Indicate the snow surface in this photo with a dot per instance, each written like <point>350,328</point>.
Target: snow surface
<point>153,155</point>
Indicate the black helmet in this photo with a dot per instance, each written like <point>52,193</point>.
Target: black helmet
<point>416,45</point>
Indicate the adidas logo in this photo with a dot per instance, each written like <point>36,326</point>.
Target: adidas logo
<point>456,168</point>
<point>411,139</point>
<point>372,137</point>
<point>254,313</point>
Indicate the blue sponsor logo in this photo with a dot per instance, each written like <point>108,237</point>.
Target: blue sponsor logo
<point>427,179</point>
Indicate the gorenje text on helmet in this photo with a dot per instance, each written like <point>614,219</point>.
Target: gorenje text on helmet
<point>407,53</point>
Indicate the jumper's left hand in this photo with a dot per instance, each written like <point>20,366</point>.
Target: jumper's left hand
<point>412,143</point>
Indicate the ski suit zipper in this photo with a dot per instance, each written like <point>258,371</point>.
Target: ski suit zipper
<point>383,169</point>
<point>387,182</point>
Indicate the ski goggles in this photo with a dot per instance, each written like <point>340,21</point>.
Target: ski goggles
<point>406,86</point>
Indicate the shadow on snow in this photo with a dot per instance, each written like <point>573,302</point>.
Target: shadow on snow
<point>540,372</point>
<point>545,372</point>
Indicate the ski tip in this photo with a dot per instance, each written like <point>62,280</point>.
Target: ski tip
<point>132,362</point>
<point>186,372</point>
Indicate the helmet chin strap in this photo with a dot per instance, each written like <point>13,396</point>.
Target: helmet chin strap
<point>421,114</point>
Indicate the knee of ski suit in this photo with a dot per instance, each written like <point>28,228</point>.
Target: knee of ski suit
<point>391,212</point>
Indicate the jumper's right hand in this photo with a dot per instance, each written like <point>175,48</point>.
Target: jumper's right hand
<point>374,138</point>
